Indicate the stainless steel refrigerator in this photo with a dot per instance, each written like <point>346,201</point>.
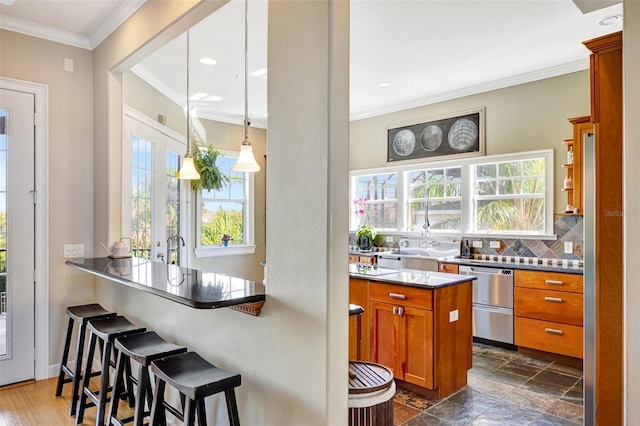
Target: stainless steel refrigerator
<point>589,358</point>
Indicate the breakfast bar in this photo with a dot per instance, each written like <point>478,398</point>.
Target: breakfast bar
<point>191,287</point>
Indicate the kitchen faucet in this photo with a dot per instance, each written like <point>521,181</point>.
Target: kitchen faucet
<point>169,250</point>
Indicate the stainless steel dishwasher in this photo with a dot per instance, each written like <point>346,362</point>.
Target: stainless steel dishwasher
<point>492,302</point>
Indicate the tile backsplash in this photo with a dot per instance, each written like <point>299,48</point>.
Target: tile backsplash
<point>566,228</point>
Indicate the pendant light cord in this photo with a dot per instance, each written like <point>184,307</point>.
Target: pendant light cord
<point>188,109</point>
<point>246,73</point>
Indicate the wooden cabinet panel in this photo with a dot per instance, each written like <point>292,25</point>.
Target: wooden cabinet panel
<point>402,339</point>
<point>556,281</point>
<point>402,295</point>
<point>450,268</point>
<point>559,306</point>
<point>359,295</point>
<point>549,336</point>
<point>418,366</point>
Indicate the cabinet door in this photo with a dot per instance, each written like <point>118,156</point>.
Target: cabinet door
<point>416,346</point>
<point>384,337</point>
<point>451,268</point>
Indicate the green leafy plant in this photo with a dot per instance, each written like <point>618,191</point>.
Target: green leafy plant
<point>210,175</point>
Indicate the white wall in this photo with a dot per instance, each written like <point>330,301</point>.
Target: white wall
<point>293,357</point>
<point>70,173</point>
<point>526,117</point>
<point>631,63</point>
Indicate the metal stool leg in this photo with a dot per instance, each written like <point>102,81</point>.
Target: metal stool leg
<point>157,408</point>
<point>65,357</point>
<point>232,407</point>
<point>82,401</point>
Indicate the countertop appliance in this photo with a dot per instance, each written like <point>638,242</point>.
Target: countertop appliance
<point>492,302</point>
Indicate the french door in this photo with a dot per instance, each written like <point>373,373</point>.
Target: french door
<point>17,236</point>
<point>153,207</point>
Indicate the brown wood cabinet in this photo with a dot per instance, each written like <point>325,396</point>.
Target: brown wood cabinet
<point>359,295</point>
<point>450,268</point>
<point>414,332</point>
<point>581,126</point>
<point>606,116</point>
<point>548,312</point>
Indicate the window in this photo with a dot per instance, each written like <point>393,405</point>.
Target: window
<point>381,192</point>
<point>510,195</point>
<point>227,211</point>
<point>153,198</point>
<point>499,195</point>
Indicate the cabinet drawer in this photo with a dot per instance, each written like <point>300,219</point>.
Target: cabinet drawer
<point>402,295</point>
<point>558,306</point>
<point>548,280</point>
<point>548,336</point>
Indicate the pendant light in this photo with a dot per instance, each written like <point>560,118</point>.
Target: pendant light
<point>188,169</point>
<point>246,161</point>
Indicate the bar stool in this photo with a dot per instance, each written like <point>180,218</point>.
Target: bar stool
<point>142,348</point>
<point>195,379</point>
<point>357,310</point>
<point>81,314</point>
<point>107,330</point>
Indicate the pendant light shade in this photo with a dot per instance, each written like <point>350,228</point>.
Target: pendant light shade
<point>246,161</point>
<point>188,169</point>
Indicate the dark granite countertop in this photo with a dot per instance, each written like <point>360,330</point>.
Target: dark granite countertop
<point>512,264</point>
<point>410,277</point>
<point>202,290</point>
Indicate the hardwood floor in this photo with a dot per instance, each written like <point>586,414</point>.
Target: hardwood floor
<point>34,403</point>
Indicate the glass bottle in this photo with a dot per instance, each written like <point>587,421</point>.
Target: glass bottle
<point>570,155</point>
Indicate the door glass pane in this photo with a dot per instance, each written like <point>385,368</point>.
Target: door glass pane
<point>141,193</point>
<point>173,207</point>
<point>3,232</point>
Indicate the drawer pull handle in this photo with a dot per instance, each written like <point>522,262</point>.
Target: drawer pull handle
<point>397,296</point>
<point>553,299</point>
<point>554,331</point>
<point>553,282</point>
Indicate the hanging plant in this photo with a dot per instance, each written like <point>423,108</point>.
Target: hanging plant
<point>210,175</point>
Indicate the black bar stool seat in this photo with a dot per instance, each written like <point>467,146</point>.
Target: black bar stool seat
<point>107,330</point>
<point>80,314</point>
<point>195,379</point>
<point>142,348</point>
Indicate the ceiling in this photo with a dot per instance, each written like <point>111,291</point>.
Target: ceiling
<point>427,50</point>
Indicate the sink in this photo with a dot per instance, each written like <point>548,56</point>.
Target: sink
<point>353,269</point>
<point>414,251</point>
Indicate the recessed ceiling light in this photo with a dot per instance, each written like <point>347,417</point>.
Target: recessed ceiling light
<point>610,20</point>
<point>259,73</point>
<point>198,96</point>
<point>383,84</point>
<point>208,61</point>
<point>214,98</point>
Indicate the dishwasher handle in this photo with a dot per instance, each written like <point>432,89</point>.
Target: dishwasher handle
<point>479,270</point>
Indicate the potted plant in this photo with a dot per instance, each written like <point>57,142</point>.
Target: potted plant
<point>225,239</point>
<point>365,234</point>
<point>211,177</point>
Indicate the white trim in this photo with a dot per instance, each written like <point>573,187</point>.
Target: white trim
<point>41,93</point>
<point>121,14</point>
<point>215,251</point>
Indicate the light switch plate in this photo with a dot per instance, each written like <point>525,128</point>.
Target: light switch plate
<point>494,244</point>
<point>73,250</point>
<point>477,244</point>
<point>388,239</point>
<point>453,316</point>
<point>568,247</point>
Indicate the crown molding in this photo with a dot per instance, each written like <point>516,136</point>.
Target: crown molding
<point>113,21</point>
<point>542,74</point>
<point>45,32</point>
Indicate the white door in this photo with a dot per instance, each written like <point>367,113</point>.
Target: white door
<point>17,236</point>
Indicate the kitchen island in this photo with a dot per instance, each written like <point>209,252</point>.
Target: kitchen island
<point>417,323</point>
<point>191,287</point>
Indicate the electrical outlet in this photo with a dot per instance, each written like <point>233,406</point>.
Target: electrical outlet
<point>477,244</point>
<point>73,250</point>
<point>568,247</point>
<point>453,316</point>
<point>388,239</point>
<point>494,244</point>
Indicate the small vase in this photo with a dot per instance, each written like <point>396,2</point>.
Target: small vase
<point>365,242</point>
<point>225,243</point>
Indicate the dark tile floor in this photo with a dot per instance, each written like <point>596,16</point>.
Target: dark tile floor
<point>504,388</point>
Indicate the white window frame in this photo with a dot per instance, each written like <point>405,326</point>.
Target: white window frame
<point>355,222</point>
<point>171,140</point>
<point>249,222</point>
<point>467,194</point>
